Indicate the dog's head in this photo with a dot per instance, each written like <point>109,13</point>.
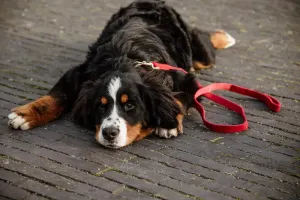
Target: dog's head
<point>125,106</point>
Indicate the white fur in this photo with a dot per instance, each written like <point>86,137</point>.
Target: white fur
<point>114,119</point>
<point>16,121</point>
<point>166,133</point>
<point>230,39</point>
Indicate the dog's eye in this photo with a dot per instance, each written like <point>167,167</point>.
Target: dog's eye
<point>102,108</point>
<point>128,106</point>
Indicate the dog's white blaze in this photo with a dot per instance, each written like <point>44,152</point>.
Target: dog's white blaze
<point>114,119</point>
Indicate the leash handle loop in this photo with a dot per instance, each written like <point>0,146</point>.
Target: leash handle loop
<point>272,103</point>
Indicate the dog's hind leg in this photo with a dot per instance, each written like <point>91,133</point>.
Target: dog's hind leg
<point>204,45</point>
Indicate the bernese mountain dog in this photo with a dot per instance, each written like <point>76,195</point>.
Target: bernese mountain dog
<point>115,92</point>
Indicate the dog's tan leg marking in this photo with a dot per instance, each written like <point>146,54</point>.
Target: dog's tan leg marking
<point>198,65</point>
<point>36,113</point>
<point>222,40</point>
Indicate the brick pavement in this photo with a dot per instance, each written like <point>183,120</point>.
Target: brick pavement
<point>42,39</point>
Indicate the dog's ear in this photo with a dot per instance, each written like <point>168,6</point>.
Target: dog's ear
<point>161,106</point>
<point>82,112</point>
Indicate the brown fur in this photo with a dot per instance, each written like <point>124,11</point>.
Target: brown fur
<point>124,98</point>
<point>198,65</point>
<point>179,117</point>
<point>135,133</point>
<point>40,111</point>
<point>103,100</point>
<point>219,39</point>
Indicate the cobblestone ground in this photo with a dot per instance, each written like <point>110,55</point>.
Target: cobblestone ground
<point>41,39</point>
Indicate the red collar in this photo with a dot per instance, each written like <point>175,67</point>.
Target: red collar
<point>271,102</point>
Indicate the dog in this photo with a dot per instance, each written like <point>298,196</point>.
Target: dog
<point>115,92</point>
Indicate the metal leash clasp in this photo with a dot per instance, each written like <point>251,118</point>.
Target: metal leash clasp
<point>138,64</point>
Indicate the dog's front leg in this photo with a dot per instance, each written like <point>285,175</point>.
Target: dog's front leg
<point>49,107</point>
<point>178,126</point>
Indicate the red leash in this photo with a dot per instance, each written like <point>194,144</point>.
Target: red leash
<point>271,102</point>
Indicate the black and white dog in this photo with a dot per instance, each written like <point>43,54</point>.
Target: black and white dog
<point>122,99</point>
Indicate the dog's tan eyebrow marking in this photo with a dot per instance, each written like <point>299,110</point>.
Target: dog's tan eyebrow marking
<point>124,98</point>
<point>103,100</point>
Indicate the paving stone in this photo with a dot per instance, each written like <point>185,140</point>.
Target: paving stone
<point>54,179</point>
<point>35,186</point>
<point>11,191</point>
<point>145,186</point>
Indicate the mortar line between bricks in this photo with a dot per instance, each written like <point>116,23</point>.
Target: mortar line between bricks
<point>26,77</point>
<point>241,168</point>
<point>130,153</point>
<point>214,191</point>
<point>210,78</point>
<point>226,195</point>
<point>278,145</point>
<point>41,40</point>
<point>175,158</point>
<point>75,157</point>
<point>60,174</point>
<point>113,169</point>
<point>15,88</point>
<point>64,135</point>
<point>17,65</point>
<point>251,153</point>
<point>165,164</point>
<point>27,190</point>
<point>237,70</point>
<point>42,182</point>
<point>264,148</point>
<point>135,189</point>
<point>93,151</point>
<point>257,138</point>
<point>35,70</point>
<point>262,175</point>
<point>218,75</point>
<point>19,96</point>
<point>7,197</point>
<point>51,160</point>
<point>145,192</point>
<point>9,102</point>
<point>47,148</point>
<point>190,163</point>
<point>29,84</point>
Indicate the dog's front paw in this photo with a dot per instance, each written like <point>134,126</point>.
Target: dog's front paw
<point>18,121</point>
<point>36,113</point>
<point>166,133</point>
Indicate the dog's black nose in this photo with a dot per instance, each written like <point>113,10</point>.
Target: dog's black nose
<point>110,133</point>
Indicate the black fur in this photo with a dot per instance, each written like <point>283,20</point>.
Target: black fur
<point>146,30</point>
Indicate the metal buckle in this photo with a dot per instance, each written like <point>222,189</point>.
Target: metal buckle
<point>138,64</point>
